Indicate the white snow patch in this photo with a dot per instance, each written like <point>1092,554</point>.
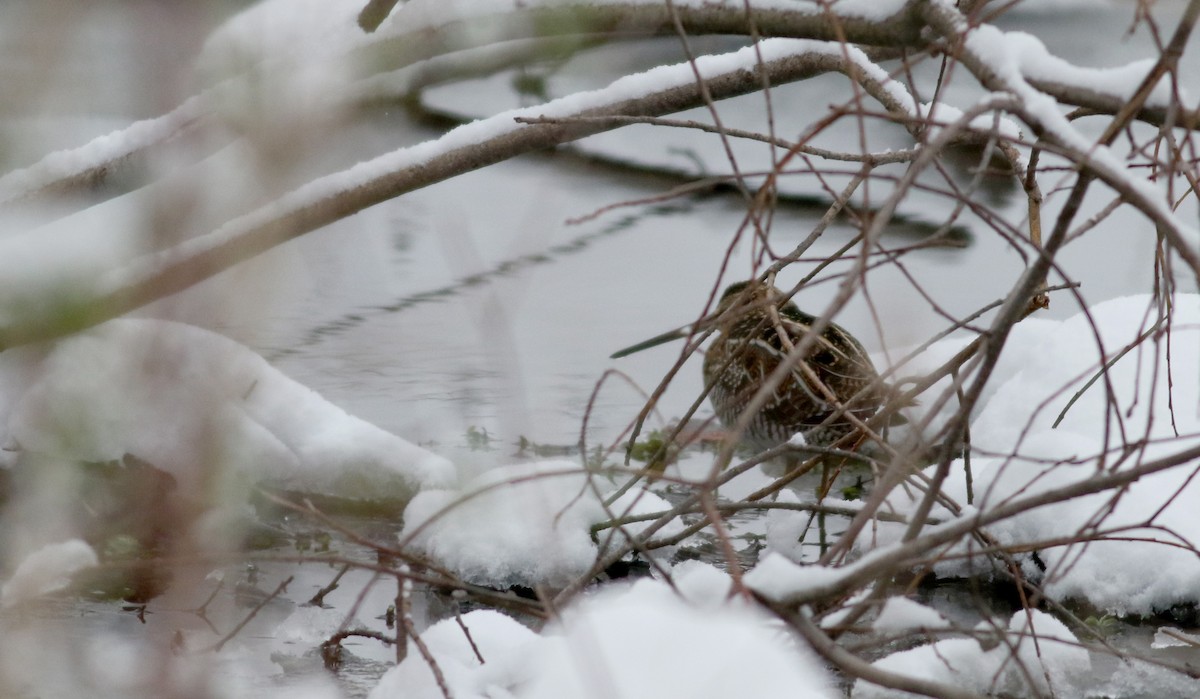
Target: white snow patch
<point>99,151</point>
<point>1168,637</point>
<point>46,571</point>
<point>902,614</point>
<point>777,578</point>
<point>786,527</point>
<point>1012,55</point>
<point>182,399</point>
<point>302,30</point>
<point>1140,569</point>
<point>310,625</point>
<point>940,115</point>
<point>1036,62</point>
<point>522,524</point>
<point>501,641</point>
<point>798,440</point>
<point>647,642</point>
<point>626,642</point>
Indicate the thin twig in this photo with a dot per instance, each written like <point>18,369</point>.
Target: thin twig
<point>254,612</point>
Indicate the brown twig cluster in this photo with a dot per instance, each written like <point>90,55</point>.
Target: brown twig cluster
<point>1019,129</point>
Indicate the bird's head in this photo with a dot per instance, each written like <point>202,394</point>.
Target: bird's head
<point>750,297</point>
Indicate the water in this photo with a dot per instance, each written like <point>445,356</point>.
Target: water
<point>475,303</point>
<point>475,306</point>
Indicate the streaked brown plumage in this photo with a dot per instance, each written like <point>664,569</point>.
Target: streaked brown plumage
<point>756,330</point>
<point>755,338</point>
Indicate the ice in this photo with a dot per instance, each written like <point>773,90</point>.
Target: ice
<point>1168,637</point>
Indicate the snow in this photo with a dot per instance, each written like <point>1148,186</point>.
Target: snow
<point>46,571</point>
<point>776,578</point>
<point>1006,54</point>
<point>524,524</point>
<point>105,149</point>
<point>309,626</point>
<point>310,32</point>
<point>649,643</point>
<point>903,614</point>
<point>1120,576</point>
<point>371,172</point>
<point>625,642</point>
<point>1046,653</point>
<point>1019,453</point>
<point>304,30</point>
<point>182,398</point>
<point>175,396</point>
<point>1148,565</point>
<point>307,46</point>
<point>1031,59</point>
<point>1167,637</point>
<point>786,527</point>
<point>501,641</point>
<point>1049,7</point>
<point>940,114</point>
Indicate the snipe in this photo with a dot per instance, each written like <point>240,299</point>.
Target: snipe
<point>757,330</point>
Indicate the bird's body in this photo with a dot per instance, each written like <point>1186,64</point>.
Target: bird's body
<point>823,395</point>
<point>757,332</point>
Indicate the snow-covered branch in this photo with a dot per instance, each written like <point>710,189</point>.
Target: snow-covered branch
<point>664,90</point>
<point>1054,454</point>
<point>422,31</point>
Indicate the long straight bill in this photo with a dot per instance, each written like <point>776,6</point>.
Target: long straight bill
<point>654,341</point>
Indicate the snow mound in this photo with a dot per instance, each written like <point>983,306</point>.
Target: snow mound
<point>46,571</point>
<point>521,525</point>
<point>775,577</point>
<point>184,399</point>
<point>1149,398</point>
<point>902,614</point>
<point>627,642</point>
<point>501,641</point>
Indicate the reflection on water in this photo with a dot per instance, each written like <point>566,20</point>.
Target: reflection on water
<point>508,267</point>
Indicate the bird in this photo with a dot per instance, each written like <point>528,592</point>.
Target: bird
<point>823,396</point>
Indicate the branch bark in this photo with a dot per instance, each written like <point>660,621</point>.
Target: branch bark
<point>334,197</point>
